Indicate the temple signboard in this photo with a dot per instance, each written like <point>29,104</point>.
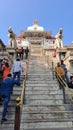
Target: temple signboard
<point>35,39</point>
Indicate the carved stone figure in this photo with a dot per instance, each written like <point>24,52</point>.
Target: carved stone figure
<point>58,41</point>
<point>12,40</point>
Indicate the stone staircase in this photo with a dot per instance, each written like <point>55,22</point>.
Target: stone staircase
<point>9,125</point>
<point>44,108</point>
<point>36,49</point>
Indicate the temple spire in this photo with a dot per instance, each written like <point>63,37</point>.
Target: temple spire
<point>35,22</point>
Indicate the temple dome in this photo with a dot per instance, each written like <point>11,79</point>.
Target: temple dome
<point>35,27</point>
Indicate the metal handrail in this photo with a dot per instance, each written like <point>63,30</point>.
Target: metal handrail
<point>24,84</point>
<point>65,88</point>
<point>19,102</point>
<point>62,83</point>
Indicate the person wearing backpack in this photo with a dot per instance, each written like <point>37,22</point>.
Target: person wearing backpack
<point>65,70</point>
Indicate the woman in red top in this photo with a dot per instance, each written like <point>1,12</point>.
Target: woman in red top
<point>6,70</point>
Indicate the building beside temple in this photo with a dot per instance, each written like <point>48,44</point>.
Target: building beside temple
<point>4,53</point>
<point>2,46</point>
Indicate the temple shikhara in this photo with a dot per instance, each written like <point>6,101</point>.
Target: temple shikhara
<point>43,100</point>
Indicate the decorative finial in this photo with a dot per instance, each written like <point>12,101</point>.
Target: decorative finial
<point>35,22</point>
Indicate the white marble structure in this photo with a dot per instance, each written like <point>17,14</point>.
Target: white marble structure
<point>35,27</point>
<point>12,40</point>
<point>37,34</point>
<point>22,42</point>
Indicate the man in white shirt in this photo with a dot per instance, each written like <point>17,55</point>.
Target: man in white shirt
<point>17,68</point>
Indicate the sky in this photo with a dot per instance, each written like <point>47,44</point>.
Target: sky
<point>51,14</point>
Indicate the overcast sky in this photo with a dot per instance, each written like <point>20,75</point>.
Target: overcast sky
<point>51,14</point>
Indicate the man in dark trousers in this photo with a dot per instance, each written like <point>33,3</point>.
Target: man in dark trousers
<point>6,91</point>
<point>26,52</point>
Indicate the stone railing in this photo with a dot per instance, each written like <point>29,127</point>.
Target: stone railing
<point>7,56</point>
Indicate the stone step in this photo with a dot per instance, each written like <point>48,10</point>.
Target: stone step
<point>17,88</point>
<point>37,65</point>
<point>7,126</point>
<point>42,92</point>
<point>11,109</point>
<point>10,116</point>
<point>46,107</point>
<point>16,92</point>
<point>44,102</point>
<point>41,81</point>
<point>37,61</point>
<point>48,114</point>
<point>37,69</point>
<point>26,120</point>
<point>43,97</point>
<point>44,86</point>
<point>10,105</point>
<point>46,125</point>
<point>40,68</point>
<point>43,116</point>
<point>39,74</point>
<point>60,107</point>
<point>14,96</point>
<point>36,58</point>
<point>68,105</point>
<point>49,128</point>
<point>40,78</point>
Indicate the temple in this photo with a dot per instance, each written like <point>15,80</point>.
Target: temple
<point>35,34</point>
<point>41,42</point>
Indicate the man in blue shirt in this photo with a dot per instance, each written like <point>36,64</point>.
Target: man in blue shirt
<point>6,91</point>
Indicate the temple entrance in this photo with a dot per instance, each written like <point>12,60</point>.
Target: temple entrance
<point>36,49</point>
